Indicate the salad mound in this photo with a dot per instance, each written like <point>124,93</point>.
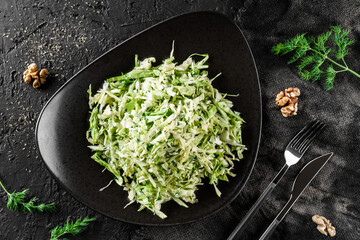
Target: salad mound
<point>163,130</point>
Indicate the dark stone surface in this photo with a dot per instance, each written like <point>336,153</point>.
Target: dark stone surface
<point>65,36</point>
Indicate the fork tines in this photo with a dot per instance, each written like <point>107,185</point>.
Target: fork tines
<point>303,139</point>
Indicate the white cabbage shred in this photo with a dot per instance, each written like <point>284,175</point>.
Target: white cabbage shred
<point>163,130</point>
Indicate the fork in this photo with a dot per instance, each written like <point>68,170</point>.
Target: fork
<point>293,153</point>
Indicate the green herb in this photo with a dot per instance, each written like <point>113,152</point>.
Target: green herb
<point>17,201</point>
<point>164,130</point>
<point>70,227</point>
<point>313,52</point>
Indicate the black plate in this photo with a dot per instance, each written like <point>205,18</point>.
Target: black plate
<point>62,124</point>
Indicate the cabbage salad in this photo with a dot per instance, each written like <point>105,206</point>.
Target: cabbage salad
<point>164,130</point>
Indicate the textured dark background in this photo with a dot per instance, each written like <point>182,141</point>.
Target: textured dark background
<point>65,36</point>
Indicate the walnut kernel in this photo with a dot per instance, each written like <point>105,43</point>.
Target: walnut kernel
<point>288,101</point>
<point>32,72</point>
<point>324,225</point>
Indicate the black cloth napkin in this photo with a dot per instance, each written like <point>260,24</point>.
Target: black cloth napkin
<point>66,36</point>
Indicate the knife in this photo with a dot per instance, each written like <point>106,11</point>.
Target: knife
<point>305,176</point>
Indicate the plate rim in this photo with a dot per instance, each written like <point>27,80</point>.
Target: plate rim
<point>111,49</point>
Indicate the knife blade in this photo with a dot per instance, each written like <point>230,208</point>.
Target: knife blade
<point>303,179</point>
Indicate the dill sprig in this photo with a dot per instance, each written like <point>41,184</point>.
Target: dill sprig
<point>313,52</point>
<point>70,227</point>
<point>17,201</point>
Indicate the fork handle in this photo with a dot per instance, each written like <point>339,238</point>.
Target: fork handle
<point>253,210</point>
<point>269,231</point>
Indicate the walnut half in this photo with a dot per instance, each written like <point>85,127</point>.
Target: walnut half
<point>324,225</point>
<point>288,101</point>
<point>32,72</point>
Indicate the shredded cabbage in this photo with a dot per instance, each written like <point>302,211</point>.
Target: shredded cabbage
<point>161,130</point>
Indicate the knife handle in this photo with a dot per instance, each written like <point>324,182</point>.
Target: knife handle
<point>269,231</point>
<point>253,210</point>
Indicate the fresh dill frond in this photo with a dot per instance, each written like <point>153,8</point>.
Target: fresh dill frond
<point>316,56</point>
<point>70,227</point>
<point>17,201</point>
<point>342,41</point>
